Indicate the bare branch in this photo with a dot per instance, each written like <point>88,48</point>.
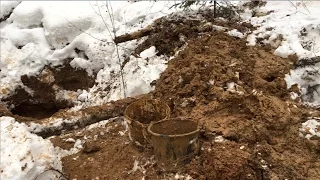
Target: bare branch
<point>85,32</point>
<point>117,49</point>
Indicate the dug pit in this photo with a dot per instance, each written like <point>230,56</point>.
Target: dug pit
<point>40,96</point>
<point>36,111</point>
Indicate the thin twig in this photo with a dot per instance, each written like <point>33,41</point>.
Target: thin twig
<point>297,11</point>
<point>93,9</point>
<point>104,22</point>
<point>86,32</point>
<point>305,7</point>
<point>102,40</point>
<point>117,48</point>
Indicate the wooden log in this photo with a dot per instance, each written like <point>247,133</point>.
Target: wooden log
<point>79,119</point>
<point>135,35</point>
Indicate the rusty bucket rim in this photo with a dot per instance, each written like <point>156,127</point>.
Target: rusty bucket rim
<point>168,110</point>
<point>175,135</point>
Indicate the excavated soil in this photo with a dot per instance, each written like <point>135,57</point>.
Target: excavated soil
<point>107,154</point>
<point>238,92</point>
<point>249,124</point>
<point>171,33</point>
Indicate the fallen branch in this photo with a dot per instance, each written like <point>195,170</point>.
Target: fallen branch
<point>135,35</point>
<point>79,119</point>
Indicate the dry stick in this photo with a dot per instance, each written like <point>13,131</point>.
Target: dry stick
<point>117,49</point>
<point>296,8</point>
<point>83,117</point>
<point>104,22</point>
<point>121,68</point>
<point>135,35</point>
<point>96,37</point>
<point>305,7</point>
<point>215,9</point>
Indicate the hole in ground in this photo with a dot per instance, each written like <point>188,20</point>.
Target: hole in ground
<point>72,79</point>
<point>37,111</point>
<point>270,78</point>
<point>42,103</point>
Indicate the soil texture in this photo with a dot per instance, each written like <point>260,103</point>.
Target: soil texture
<point>249,125</point>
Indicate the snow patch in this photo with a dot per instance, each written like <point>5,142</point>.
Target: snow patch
<point>24,155</point>
<point>6,7</point>
<point>235,33</point>
<point>310,128</point>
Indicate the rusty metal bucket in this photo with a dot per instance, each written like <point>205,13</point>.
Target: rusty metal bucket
<point>140,114</point>
<point>175,141</point>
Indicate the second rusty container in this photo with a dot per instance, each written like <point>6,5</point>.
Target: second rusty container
<point>175,142</point>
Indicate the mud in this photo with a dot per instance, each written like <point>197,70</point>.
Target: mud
<point>255,110</point>
<point>215,159</point>
<point>109,156</point>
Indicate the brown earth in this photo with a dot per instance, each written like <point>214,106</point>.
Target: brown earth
<point>170,34</point>
<point>257,119</point>
<point>110,156</point>
<point>258,113</point>
<point>236,92</point>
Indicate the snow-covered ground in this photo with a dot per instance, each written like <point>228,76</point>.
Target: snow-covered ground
<point>46,33</point>
<point>293,27</point>
<point>39,34</point>
<point>24,155</point>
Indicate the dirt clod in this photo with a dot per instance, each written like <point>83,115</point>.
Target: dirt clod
<point>91,147</point>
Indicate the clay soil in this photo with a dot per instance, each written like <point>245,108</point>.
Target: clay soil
<point>249,125</point>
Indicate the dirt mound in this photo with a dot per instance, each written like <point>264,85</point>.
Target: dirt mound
<point>239,93</point>
<point>239,96</point>
<point>222,161</point>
